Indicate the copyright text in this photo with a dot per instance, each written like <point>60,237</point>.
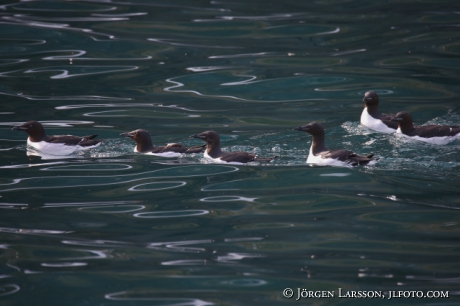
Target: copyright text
<point>301,293</point>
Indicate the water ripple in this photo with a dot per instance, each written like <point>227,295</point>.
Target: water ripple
<point>340,174</point>
<point>232,257</point>
<point>88,167</point>
<point>129,105</point>
<point>121,15</point>
<point>76,55</point>
<point>160,186</point>
<point>250,88</point>
<point>13,206</point>
<point>36,23</point>
<point>22,42</point>
<point>247,282</point>
<point>98,114</point>
<point>227,199</point>
<point>114,209</point>
<point>179,246</point>
<point>97,254</point>
<point>167,42</point>
<point>179,84</point>
<point>76,71</point>
<point>37,6</point>
<point>70,19</point>
<point>243,239</point>
<point>208,68</point>
<point>51,123</point>
<point>172,213</point>
<point>9,289</point>
<point>266,17</point>
<point>64,264</point>
<point>57,97</point>
<point>243,55</point>
<point>96,243</point>
<point>32,231</point>
<point>138,296</point>
<point>12,62</point>
<point>48,25</point>
<point>184,262</point>
<point>90,204</point>
<point>80,181</point>
<point>348,52</point>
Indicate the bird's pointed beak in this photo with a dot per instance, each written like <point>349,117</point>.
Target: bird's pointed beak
<point>19,128</point>
<point>128,134</point>
<point>197,136</point>
<point>300,128</point>
<point>396,119</point>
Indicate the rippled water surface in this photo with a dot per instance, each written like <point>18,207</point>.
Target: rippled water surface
<point>112,227</point>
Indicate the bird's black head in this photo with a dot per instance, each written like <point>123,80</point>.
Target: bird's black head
<point>371,98</point>
<point>403,118</point>
<point>142,139</point>
<point>313,128</point>
<point>210,137</point>
<point>137,135</point>
<point>33,128</point>
<point>29,126</point>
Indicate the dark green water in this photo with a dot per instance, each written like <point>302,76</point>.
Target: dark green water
<point>113,227</point>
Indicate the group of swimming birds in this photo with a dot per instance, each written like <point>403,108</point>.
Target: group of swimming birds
<point>371,117</point>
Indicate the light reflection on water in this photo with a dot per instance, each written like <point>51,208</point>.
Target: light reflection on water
<point>60,181</point>
<point>110,225</point>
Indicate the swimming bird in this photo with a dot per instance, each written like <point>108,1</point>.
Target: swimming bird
<point>144,145</point>
<point>435,134</point>
<point>58,144</point>
<point>214,152</point>
<point>372,118</point>
<point>320,154</point>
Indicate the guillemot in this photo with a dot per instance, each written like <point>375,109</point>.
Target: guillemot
<point>214,152</point>
<point>321,155</point>
<point>372,118</point>
<point>435,134</point>
<point>58,144</point>
<point>144,145</point>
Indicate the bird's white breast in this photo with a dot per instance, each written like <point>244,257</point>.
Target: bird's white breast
<point>57,148</point>
<point>317,159</point>
<point>164,154</point>
<point>443,140</point>
<point>375,124</point>
<point>219,160</point>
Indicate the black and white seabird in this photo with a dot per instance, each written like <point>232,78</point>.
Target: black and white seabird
<point>58,144</point>
<point>214,152</point>
<point>144,145</point>
<point>435,134</point>
<point>372,118</point>
<point>321,155</point>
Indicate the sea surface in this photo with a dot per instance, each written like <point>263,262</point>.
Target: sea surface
<point>109,226</point>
